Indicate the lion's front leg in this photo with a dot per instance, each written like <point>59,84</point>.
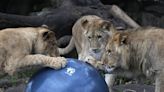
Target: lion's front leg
<point>54,62</point>
<point>110,79</point>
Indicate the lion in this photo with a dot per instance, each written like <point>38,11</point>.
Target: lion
<point>26,46</point>
<point>89,37</point>
<point>90,34</point>
<point>137,52</point>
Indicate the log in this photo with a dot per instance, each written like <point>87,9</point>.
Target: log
<point>116,11</point>
<point>61,19</point>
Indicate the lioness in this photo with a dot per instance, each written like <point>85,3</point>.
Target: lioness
<point>89,35</point>
<point>137,52</point>
<point>21,47</point>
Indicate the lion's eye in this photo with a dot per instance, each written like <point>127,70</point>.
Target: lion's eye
<point>89,37</point>
<point>109,52</point>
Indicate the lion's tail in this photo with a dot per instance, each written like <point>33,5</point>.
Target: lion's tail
<point>68,48</point>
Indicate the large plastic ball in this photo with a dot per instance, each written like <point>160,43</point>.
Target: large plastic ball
<point>77,76</point>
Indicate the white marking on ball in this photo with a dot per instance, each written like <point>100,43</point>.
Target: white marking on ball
<point>70,71</point>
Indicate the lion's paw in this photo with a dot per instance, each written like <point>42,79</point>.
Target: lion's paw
<point>90,60</point>
<point>57,62</point>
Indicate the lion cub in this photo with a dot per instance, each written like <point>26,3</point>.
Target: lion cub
<point>137,52</point>
<point>21,47</point>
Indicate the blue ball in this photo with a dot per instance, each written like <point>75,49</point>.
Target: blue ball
<point>77,76</point>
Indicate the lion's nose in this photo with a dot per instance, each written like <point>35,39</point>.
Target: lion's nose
<point>95,50</point>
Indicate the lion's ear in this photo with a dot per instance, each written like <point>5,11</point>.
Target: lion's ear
<point>110,29</point>
<point>120,38</point>
<point>106,25</point>
<point>123,39</point>
<point>84,23</point>
<point>48,34</point>
<point>44,26</point>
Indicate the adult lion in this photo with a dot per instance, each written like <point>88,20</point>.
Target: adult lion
<point>137,52</point>
<point>21,47</point>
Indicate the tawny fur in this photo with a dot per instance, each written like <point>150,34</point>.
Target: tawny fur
<point>138,52</point>
<point>21,47</point>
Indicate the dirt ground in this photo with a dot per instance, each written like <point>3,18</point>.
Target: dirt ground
<point>118,88</point>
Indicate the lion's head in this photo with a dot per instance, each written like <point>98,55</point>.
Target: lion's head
<point>117,52</point>
<point>96,32</point>
<point>46,42</point>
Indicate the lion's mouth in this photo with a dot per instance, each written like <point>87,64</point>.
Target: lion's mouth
<point>109,69</point>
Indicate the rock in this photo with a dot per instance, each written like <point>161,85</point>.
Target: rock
<point>134,88</point>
